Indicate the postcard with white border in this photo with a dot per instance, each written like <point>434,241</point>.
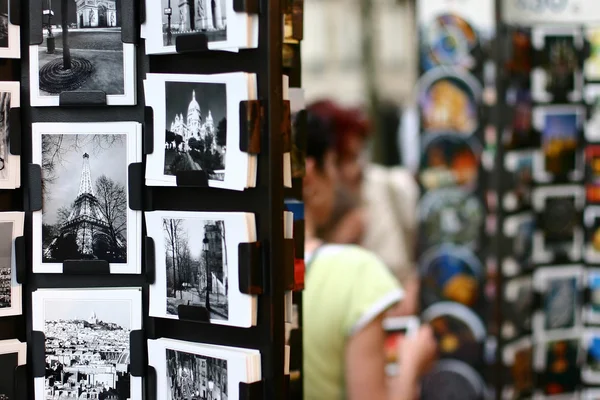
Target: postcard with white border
<point>224,28</point>
<point>196,256</point>
<point>10,35</point>
<point>10,165</point>
<point>11,227</point>
<point>197,127</point>
<point>95,58</point>
<point>86,212</point>
<point>12,354</point>
<point>100,321</point>
<point>219,369</point>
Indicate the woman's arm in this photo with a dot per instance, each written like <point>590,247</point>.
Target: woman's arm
<point>365,364</point>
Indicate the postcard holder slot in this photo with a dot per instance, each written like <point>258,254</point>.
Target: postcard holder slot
<point>33,200</point>
<point>536,302</point>
<point>252,391</point>
<point>20,382</point>
<point>247,6</point>
<point>37,347</point>
<point>288,252</point>
<point>135,183</point>
<point>21,259</point>
<point>148,128</point>
<point>15,131</point>
<point>251,122</point>
<point>15,12</point>
<point>586,295</point>
<point>151,386</point>
<point>36,30</point>
<point>250,268</point>
<point>137,349</point>
<point>86,267</point>
<point>129,25</point>
<point>192,178</point>
<point>286,127</point>
<point>299,239</point>
<point>80,98</point>
<point>193,313</point>
<point>193,42</point>
<point>150,259</point>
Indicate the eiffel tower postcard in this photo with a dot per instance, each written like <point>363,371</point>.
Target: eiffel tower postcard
<point>85,213</point>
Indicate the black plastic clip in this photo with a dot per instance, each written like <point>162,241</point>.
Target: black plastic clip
<point>38,352</point>
<point>33,198</point>
<point>288,269</point>
<point>21,259</point>
<point>196,178</point>
<point>86,267</point>
<point>129,23</point>
<point>137,351</point>
<point>15,131</point>
<point>142,10</point>
<point>136,186</point>
<point>247,6</point>
<point>148,130</point>
<point>151,385</point>
<point>150,258</point>
<point>20,383</point>
<point>15,12</point>
<point>250,268</point>
<point>78,98</point>
<point>536,302</point>
<point>286,127</point>
<point>193,313</point>
<point>252,391</point>
<point>586,295</point>
<point>193,42</point>
<point>251,123</point>
<point>36,30</point>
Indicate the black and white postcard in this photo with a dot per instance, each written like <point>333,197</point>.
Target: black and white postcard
<point>86,214</point>
<point>197,264</point>
<point>10,35</point>
<point>187,370</point>
<point>87,333</point>
<point>10,166</point>
<point>518,231</point>
<point>197,128</point>
<point>82,50</point>
<point>223,28</point>
<point>11,227</point>
<point>12,354</point>
<point>560,288</point>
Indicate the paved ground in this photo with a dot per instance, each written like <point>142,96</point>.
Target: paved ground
<point>104,49</point>
<point>218,303</point>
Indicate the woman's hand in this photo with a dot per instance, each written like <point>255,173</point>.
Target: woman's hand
<point>418,352</point>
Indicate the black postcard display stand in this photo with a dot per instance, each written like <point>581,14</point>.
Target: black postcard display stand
<point>265,267</point>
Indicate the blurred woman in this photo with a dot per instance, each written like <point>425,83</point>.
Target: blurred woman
<point>348,290</point>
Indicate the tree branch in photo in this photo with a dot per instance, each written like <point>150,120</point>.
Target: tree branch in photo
<point>112,199</point>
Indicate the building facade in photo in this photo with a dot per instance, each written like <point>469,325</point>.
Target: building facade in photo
<point>96,13</point>
<point>200,15</point>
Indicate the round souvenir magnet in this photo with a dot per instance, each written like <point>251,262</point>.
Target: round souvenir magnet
<point>449,160</point>
<point>459,331</point>
<point>451,380</point>
<point>450,215</point>
<point>449,98</point>
<point>449,40</point>
<point>450,273</point>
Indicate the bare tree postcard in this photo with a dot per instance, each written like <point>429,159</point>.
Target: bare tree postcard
<point>85,213</point>
<point>82,50</point>
<point>10,35</point>
<point>197,264</point>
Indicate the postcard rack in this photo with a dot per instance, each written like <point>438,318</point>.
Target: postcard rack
<point>266,269</point>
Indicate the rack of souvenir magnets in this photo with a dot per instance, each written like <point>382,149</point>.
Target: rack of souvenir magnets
<point>454,101</point>
<point>148,254</point>
<point>547,196</point>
